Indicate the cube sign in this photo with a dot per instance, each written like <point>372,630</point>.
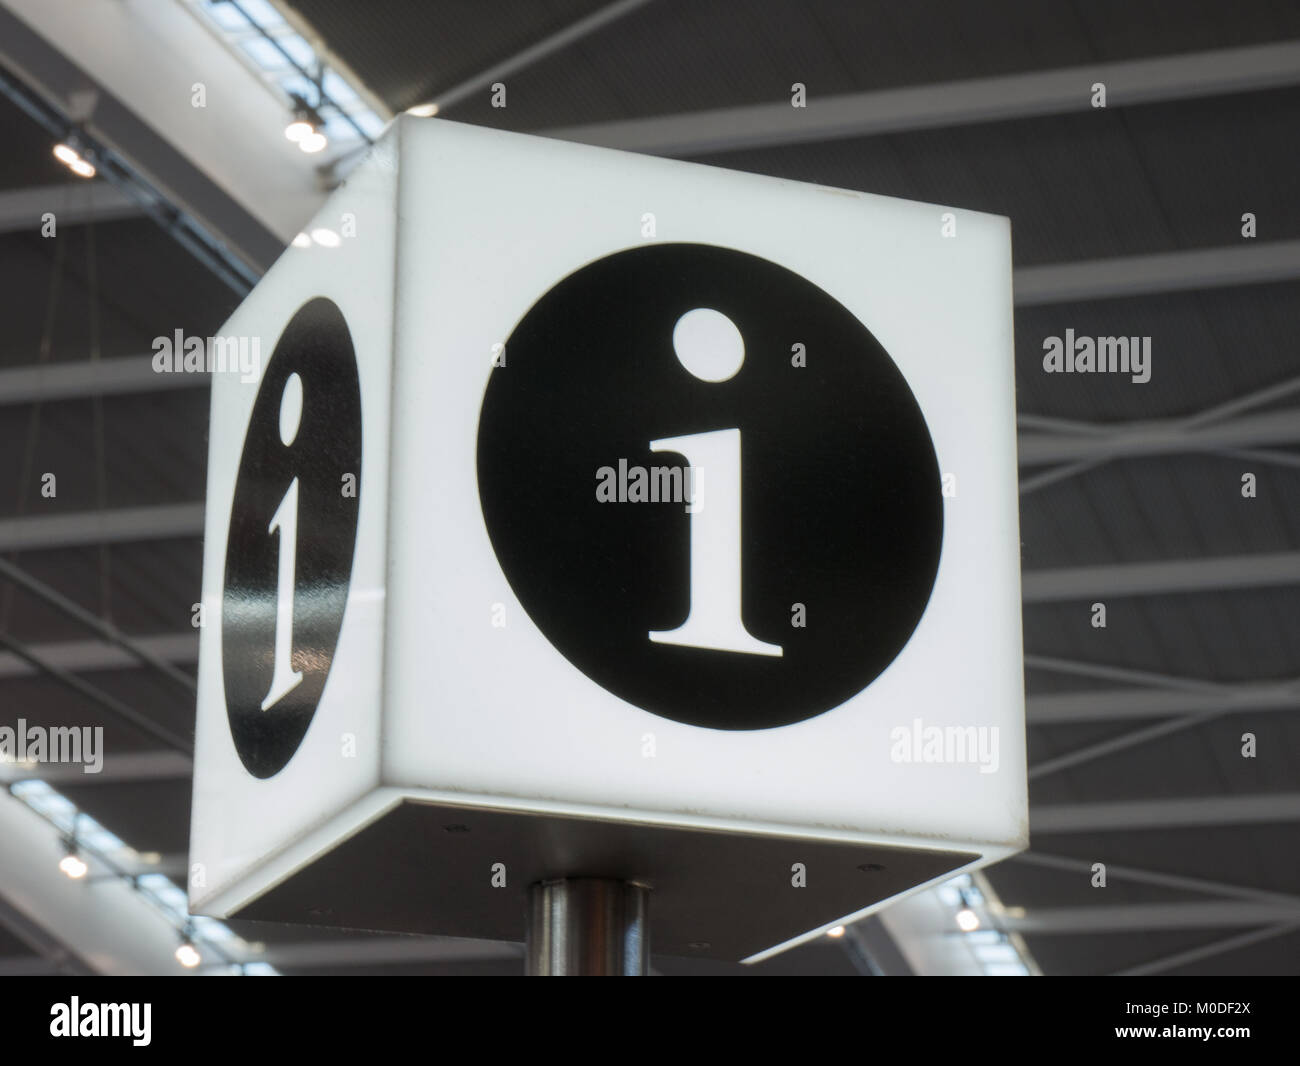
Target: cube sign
<point>597,515</point>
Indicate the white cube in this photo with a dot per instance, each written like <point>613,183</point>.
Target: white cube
<point>591,514</point>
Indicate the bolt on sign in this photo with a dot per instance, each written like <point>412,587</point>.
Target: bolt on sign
<point>601,515</point>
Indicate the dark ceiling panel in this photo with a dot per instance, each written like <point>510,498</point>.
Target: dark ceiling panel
<point>155,451</point>
<point>12,948</point>
<point>154,584</point>
<point>1206,347</point>
<point>1204,760</point>
<point>1187,634</point>
<point>1273,957</point>
<point>1252,856</point>
<point>45,702</point>
<point>1101,954</point>
<point>148,286</point>
<point>28,158</point>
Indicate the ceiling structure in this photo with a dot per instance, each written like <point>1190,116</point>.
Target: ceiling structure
<point>1127,220</point>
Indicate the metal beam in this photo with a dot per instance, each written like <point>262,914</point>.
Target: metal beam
<point>1119,704</point>
<point>1124,674</point>
<point>90,656</point>
<point>1207,268</point>
<point>383,950</point>
<point>130,374</point>
<point>547,46</point>
<point>1142,917</point>
<point>1136,737</point>
<point>52,953</point>
<point>956,103</point>
<point>71,205</point>
<point>1191,812</point>
<point>1130,739</point>
<point>79,529</point>
<point>142,723</point>
<point>1164,437</point>
<point>107,630</point>
<point>1117,874</point>
<point>132,766</point>
<point>1159,577</point>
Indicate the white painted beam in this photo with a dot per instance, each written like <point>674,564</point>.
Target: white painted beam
<point>164,522</point>
<point>1191,812</point>
<point>373,951</point>
<point>123,375</point>
<point>1119,704</point>
<point>1137,275</point>
<point>1160,577</point>
<point>1150,917</point>
<point>1163,437</point>
<point>1118,874</point>
<point>118,767</point>
<point>89,656</point>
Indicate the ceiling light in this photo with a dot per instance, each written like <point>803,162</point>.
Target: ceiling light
<point>326,238</point>
<point>188,955</point>
<point>305,127</point>
<point>67,153</point>
<point>313,142</point>
<point>302,241</point>
<point>423,110</point>
<point>967,920</point>
<point>72,865</point>
<point>837,932</point>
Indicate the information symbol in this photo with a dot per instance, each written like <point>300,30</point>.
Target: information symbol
<point>820,486</point>
<point>292,538</point>
<point>708,345</point>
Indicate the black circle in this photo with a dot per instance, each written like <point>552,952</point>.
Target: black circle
<point>841,505</point>
<point>317,347</point>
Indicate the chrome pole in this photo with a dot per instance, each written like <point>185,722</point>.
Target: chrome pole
<point>588,927</point>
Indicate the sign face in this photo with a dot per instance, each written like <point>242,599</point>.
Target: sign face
<point>673,494</point>
<point>293,530</point>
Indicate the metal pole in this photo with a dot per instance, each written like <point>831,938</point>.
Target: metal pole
<point>588,927</point>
